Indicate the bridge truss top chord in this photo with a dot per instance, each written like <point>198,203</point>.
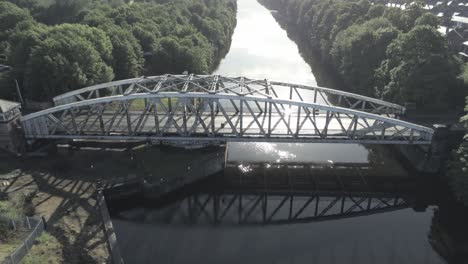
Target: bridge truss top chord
<point>239,86</point>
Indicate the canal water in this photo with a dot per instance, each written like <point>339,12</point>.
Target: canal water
<point>282,203</point>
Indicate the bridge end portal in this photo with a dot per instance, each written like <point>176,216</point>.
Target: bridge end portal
<point>11,135</point>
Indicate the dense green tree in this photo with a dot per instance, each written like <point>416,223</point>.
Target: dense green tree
<point>420,69</point>
<point>10,16</point>
<point>110,39</point>
<point>428,19</point>
<point>359,50</point>
<point>68,57</point>
<point>127,56</point>
<point>375,11</point>
<point>63,11</point>
<point>404,20</point>
<point>458,166</point>
<point>379,51</point>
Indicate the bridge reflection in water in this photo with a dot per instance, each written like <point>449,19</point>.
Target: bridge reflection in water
<point>291,193</point>
<point>274,211</point>
<point>266,193</point>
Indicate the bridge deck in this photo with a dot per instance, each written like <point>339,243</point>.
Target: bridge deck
<point>220,111</point>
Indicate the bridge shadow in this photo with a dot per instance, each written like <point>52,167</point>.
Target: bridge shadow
<point>270,194</point>
<point>62,189</point>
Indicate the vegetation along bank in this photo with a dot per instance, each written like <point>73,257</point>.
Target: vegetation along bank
<point>62,45</point>
<point>385,52</point>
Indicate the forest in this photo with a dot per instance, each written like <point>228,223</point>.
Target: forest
<point>382,52</point>
<point>55,46</point>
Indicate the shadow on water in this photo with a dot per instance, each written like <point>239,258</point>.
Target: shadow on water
<point>295,212</point>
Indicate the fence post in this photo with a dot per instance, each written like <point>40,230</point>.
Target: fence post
<point>44,223</point>
<point>14,224</point>
<point>27,244</point>
<point>27,221</point>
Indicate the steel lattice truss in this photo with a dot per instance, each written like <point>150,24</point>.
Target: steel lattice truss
<point>240,86</point>
<point>277,208</point>
<point>205,117</point>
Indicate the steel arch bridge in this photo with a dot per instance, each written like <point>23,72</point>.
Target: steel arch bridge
<point>215,109</point>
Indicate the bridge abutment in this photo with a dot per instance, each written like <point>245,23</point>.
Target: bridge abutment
<point>11,136</point>
<point>430,158</point>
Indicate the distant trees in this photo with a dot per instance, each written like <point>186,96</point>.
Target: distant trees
<point>458,166</point>
<point>380,51</point>
<point>111,39</point>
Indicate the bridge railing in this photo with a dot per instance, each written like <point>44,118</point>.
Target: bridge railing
<point>217,117</point>
<point>240,86</point>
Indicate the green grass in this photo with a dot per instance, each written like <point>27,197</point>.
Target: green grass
<point>7,248</point>
<point>13,207</point>
<point>46,250</point>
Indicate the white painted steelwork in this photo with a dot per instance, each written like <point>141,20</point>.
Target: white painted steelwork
<point>207,116</point>
<point>240,86</point>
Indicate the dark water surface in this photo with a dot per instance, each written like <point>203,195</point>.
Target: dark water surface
<point>287,212</point>
<point>284,203</point>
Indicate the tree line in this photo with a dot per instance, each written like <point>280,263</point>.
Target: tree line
<point>55,46</point>
<point>458,166</point>
<point>388,53</point>
<point>383,52</point>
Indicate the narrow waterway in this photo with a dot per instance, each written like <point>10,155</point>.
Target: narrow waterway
<point>261,49</point>
<point>283,203</point>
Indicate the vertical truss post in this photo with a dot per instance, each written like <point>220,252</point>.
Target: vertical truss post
<point>298,125</point>
<point>184,115</point>
<point>127,115</point>
<point>101,121</point>
<point>73,118</point>
<point>213,115</point>
<point>269,120</point>
<point>169,104</point>
<point>156,117</point>
<point>241,117</point>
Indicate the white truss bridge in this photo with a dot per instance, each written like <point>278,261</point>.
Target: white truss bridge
<point>217,109</point>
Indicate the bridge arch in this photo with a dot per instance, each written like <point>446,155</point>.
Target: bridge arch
<point>240,86</point>
<point>217,117</point>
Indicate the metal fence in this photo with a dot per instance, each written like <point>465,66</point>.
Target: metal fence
<point>34,225</point>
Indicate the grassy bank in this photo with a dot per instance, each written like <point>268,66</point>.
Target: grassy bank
<point>67,202</point>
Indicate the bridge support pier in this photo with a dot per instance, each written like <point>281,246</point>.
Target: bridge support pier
<point>431,158</point>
